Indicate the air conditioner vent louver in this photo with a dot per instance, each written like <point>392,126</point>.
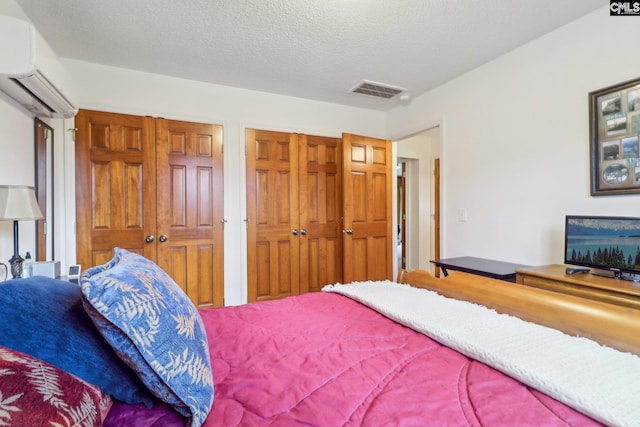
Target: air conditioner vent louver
<point>378,90</point>
<point>32,102</point>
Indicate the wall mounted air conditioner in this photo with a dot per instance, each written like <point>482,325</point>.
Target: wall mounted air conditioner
<point>30,72</point>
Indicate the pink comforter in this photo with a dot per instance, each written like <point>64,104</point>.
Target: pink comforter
<point>324,360</point>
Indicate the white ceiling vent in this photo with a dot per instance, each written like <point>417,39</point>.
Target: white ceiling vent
<point>379,90</point>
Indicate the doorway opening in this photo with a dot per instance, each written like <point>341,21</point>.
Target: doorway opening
<point>418,200</point>
<point>402,206</point>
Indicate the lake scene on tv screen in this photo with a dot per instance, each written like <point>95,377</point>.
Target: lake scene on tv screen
<point>606,242</point>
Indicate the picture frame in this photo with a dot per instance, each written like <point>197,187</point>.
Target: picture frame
<point>614,134</point>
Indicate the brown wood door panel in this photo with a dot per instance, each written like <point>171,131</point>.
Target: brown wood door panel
<point>207,259</point>
<point>358,259</point>
<point>284,278</point>
<point>367,209</point>
<point>272,214</point>
<point>190,237</point>
<point>262,274</point>
<point>367,253</point>
<point>381,250</point>
<point>320,211</point>
<point>192,267</point>
<point>115,185</point>
<point>140,178</point>
<point>281,263</point>
<point>275,278</point>
<point>324,263</point>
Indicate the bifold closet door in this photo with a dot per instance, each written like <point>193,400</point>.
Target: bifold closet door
<point>154,187</point>
<point>318,212</point>
<point>368,237</point>
<point>320,183</point>
<point>273,223</point>
<point>190,227</point>
<point>115,185</point>
<point>294,213</point>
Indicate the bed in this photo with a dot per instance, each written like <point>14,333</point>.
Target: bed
<point>418,351</point>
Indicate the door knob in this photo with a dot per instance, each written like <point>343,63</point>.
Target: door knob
<point>163,238</point>
<point>294,231</point>
<point>150,238</point>
<point>303,231</point>
<point>348,230</point>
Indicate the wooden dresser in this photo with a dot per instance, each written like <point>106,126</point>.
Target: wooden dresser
<point>553,277</point>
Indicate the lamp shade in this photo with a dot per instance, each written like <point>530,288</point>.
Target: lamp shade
<point>18,202</point>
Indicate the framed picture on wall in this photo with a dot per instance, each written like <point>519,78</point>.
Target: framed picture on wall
<point>614,131</point>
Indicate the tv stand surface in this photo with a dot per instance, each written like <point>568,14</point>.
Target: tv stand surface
<point>553,277</point>
<point>616,275</point>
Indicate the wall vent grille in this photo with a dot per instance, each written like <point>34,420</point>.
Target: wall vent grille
<point>379,90</point>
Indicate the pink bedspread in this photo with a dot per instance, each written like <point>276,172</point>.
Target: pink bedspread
<point>325,360</point>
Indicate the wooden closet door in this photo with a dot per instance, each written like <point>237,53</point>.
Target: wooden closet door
<point>115,185</point>
<point>190,239</point>
<point>121,161</point>
<point>368,238</point>
<point>273,215</point>
<point>320,186</point>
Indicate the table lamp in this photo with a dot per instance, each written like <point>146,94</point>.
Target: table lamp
<point>18,203</point>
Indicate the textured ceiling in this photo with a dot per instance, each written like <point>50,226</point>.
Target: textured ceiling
<point>317,49</point>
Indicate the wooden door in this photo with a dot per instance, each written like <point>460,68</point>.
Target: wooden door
<point>121,161</point>
<point>368,238</point>
<point>115,185</point>
<point>320,185</point>
<point>273,259</point>
<point>190,212</point>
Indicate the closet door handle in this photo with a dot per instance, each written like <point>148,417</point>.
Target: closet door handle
<point>303,231</point>
<point>294,231</point>
<point>163,238</point>
<point>348,231</point>
<point>150,238</point>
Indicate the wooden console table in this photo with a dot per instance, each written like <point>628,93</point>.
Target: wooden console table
<point>586,285</point>
<point>480,266</point>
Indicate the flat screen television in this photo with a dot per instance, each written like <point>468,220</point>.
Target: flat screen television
<point>608,244</point>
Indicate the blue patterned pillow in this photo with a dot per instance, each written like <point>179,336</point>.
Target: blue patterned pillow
<point>153,326</point>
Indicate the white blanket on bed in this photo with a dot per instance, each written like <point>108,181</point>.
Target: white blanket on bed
<point>598,381</point>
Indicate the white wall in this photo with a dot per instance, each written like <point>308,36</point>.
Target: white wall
<point>17,167</point>
<point>11,8</point>
<point>515,144</point>
<point>126,91</point>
